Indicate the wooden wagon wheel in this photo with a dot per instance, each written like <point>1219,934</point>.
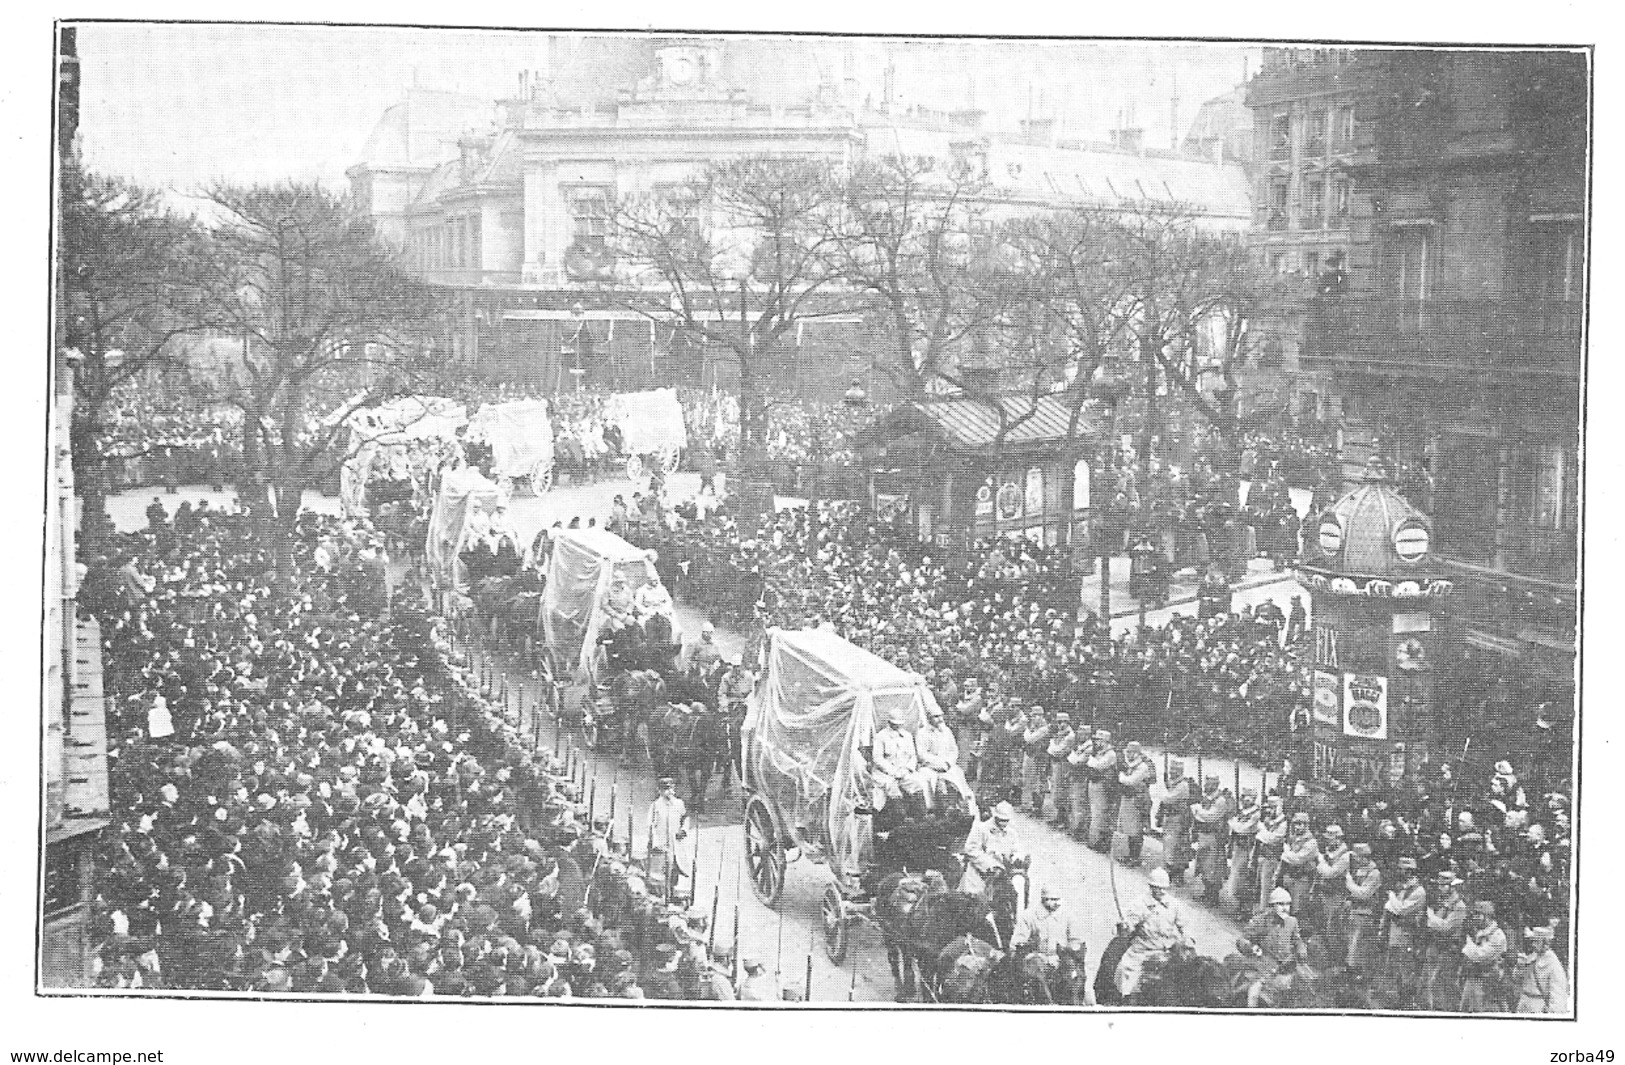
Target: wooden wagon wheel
<point>837,924</point>
<point>764,856</point>
<point>670,458</point>
<point>541,478</point>
<point>634,467</point>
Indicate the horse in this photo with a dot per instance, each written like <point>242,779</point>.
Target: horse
<point>970,970</point>
<point>1180,979</point>
<point>917,923</point>
<point>1061,982</point>
<point>701,746</point>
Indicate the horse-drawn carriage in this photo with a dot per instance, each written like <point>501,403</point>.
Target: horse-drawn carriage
<point>652,429</point>
<point>520,438</point>
<point>600,589</point>
<point>808,740</point>
<point>389,459</point>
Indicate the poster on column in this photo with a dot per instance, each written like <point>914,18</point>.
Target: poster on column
<point>1328,709</point>
<point>1365,706</point>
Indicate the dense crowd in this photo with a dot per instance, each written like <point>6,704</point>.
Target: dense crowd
<point>312,794</point>
<point>1042,701</point>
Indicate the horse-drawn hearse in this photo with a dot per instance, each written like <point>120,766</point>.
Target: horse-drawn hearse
<point>808,743</point>
<point>652,430</point>
<point>391,452</point>
<point>519,437</point>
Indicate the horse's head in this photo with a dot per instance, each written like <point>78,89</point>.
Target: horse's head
<point>907,895</point>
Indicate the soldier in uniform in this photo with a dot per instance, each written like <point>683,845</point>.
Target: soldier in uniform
<point>1363,881</point>
<point>1135,777</point>
<point>667,826</point>
<point>1175,812</point>
<point>1483,962</point>
<point>1062,740</point>
<point>1211,814</point>
<point>1243,827</point>
<point>1035,760</point>
<point>1299,857</point>
<point>1271,840</point>
<point>1403,916</point>
<point>1446,925</point>
<point>1102,792</point>
<point>1331,887</point>
<point>1077,785</point>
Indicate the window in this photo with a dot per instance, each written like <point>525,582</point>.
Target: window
<point>1342,189</point>
<point>589,216</point>
<point>1414,274</point>
<point>475,259</point>
<point>1315,132</point>
<point>1345,128</point>
<point>1278,199</point>
<point>1311,264</point>
<point>1556,262</point>
<point>1281,136</point>
<point>1314,202</point>
<point>1277,263</point>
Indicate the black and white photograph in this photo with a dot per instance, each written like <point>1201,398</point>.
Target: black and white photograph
<point>963,528</point>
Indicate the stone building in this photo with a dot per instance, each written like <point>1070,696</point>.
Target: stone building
<point>513,212</point>
<point>1454,184</point>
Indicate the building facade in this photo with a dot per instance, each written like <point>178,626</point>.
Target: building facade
<point>514,215</point>
<point>1454,185</point>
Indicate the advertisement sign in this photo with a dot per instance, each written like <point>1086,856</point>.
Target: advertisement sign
<point>1365,706</point>
<point>1328,708</point>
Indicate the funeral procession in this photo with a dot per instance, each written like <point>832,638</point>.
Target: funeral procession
<point>783,521</point>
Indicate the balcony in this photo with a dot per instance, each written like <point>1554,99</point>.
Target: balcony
<point>1444,339</point>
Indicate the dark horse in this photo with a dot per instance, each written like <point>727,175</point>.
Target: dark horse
<point>919,923</point>
<point>1183,979</point>
<point>1054,984</point>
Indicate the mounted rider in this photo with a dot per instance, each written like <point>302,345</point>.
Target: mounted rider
<point>992,848</point>
<point>1156,928</point>
<point>1275,945</point>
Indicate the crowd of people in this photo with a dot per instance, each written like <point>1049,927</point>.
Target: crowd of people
<point>311,793</point>
<point>1053,713</point>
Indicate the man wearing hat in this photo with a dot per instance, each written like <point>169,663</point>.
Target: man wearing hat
<point>1035,760</point>
<point>939,757</point>
<point>895,770</point>
<point>1243,826</point>
<point>1061,742</point>
<point>1483,962</point>
<point>1446,925</point>
<point>757,986</point>
<point>1175,814</point>
<point>991,846</point>
<point>1404,916</point>
<point>1102,792</point>
<point>1363,882</point>
<point>1331,887</point>
<point>668,826</point>
<point>1299,856</point>
<point>1155,928</point>
<point>1539,983</point>
<point>1272,939</point>
<point>1212,817</point>
<point>1134,779</point>
<point>1077,784</point>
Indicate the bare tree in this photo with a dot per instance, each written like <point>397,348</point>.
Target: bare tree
<point>736,258</point>
<point>916,243</point>
<point>123,303</point>
<point>329,323</point>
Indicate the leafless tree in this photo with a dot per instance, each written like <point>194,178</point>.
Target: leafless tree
<point>735,258</point>
<point>123,303</point>
<point>329,323</point>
